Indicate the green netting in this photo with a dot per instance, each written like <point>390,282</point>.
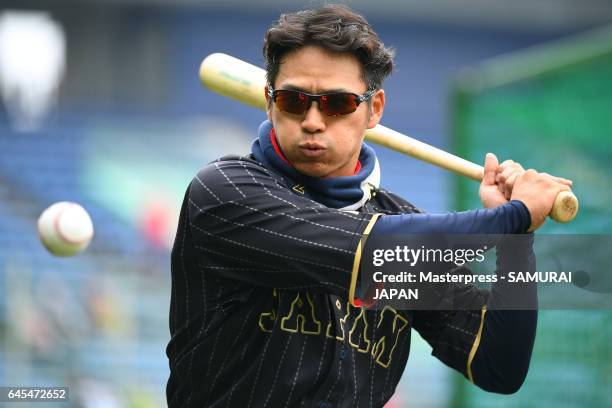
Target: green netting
<point>556,119</point>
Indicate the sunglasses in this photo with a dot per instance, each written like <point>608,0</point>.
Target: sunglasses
<point>331,104</point>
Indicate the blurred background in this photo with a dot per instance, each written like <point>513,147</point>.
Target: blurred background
<point>101,104</point>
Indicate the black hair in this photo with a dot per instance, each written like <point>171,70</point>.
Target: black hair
<point>336,28</point>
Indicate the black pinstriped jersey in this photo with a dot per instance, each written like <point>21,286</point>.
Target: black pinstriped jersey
<point>260,315</point>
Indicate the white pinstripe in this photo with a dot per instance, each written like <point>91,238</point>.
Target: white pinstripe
<point>297,371</point>
<point>202,248</point>
<point>316,204</point>
<point>266,188</point>
<point>293,217</point>
<point>231,268</point>
<point>372,367</point>
<point>212,356</point>
<point>270,252</point>
<point>346,388</point>
<point>239,224</point>
<point>205,330</point>
<point>405,337</point>
<point>324,345</point>
<point>280,364</point>
<point>272,176</point>
<point>229,399</point>
<point>284,188</point>
<point>320,284</point>
<point>460,330</point>
<point>228,179</point>
<point>454,346</point>
<point>354,377</point>
<point>263,357</point>
<point>204,327</point>
<point>220,369</point>
<point>208,189</point>
<point>331,389</point>
<point>316,208</point>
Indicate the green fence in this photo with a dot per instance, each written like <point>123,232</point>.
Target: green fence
<point>550,108</point>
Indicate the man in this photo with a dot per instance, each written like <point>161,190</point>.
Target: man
<point>265,309</point>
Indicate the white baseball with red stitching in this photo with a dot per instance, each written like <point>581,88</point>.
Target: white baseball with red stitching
<point>65,228</point>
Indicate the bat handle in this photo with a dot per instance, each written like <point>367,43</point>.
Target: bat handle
<point>565,207</point>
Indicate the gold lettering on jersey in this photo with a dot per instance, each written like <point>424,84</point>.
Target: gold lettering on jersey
<point>358,336</point>
<point>395,324</point>
<point>338,323</point>
<point>301,317</point>
<point>299,188</point>
<point>267,319</point>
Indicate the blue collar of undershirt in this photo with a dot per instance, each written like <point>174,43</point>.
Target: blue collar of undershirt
<point>346,193</point>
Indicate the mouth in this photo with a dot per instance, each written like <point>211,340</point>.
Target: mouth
<point>311,149</point>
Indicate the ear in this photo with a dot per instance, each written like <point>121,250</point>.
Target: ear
<point>268,103</point>
<point>377,104</point>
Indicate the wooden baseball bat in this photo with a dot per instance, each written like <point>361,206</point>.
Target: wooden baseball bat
<point>244,82</point>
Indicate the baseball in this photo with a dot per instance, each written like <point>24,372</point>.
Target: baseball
<point>65,228</point>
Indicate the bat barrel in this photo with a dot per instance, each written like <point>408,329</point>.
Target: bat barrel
<point>234,78</point>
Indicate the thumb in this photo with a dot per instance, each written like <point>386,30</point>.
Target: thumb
<point>490,166</point>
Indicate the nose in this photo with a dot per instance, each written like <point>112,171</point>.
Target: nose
<point>314,120</point>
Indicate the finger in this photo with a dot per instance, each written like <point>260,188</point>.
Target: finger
<point>503,165</point>
<point>500,177</point>
<point>509,173</point>
<point>512,168</point>
<point>559,180</point>
<point>503,176</point>
<point>563,181</point>
<point>509,184</point>
<point>510,164</point>
<point>491,164</point>
<point>564,187</point>
<point>552,182</point>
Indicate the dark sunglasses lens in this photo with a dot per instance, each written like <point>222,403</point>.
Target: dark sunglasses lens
<point>292,101</point>
<point>338,104</point>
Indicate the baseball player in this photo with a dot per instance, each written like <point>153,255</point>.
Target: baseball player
<point>266,310</point>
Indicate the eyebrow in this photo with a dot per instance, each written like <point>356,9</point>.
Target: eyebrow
<point>290,87</point>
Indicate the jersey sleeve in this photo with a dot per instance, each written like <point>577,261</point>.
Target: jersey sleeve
<point>491,344</point>
<point>248,226</point>
<point>453,333</point>
<point>487,340</point>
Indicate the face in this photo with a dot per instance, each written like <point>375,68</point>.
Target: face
<point>316,144</point>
